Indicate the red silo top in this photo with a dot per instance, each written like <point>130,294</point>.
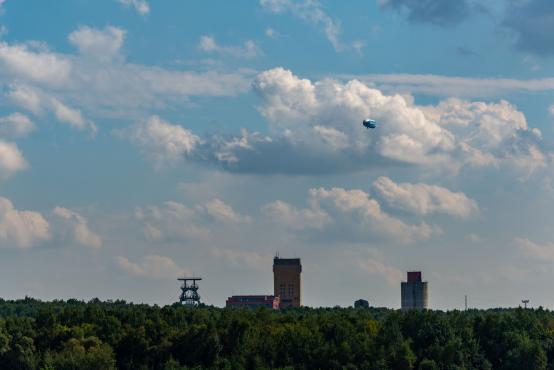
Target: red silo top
<point>414,276</point>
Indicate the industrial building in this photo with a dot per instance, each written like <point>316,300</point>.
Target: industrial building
<point>287,281</point>
<point>414,292</point>
<point>361,303</point>
<point>253,301</point>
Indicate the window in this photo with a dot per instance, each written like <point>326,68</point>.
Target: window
<point>291,290</point>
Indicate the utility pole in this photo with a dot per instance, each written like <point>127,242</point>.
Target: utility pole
<point>525,301</point>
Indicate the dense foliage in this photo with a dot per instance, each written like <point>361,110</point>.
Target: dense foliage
<point>108,335</point>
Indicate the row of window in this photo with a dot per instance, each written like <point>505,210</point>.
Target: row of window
<point>283,290</point>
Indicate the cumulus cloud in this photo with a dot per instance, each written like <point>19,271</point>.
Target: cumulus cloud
<point>541,252</point>
<point>346,215</point>
<point>21,229</point>
<point>249,50</point>
<point>11,159</point>
<point>38,102</point>
<point>141,6</point>
<point>439,12</point>
<point>177,221</point>
<point>312,12</point>
<point>15,125</point>
<point>223,212</point>
<point>102,44</point>
<point>77,227</point>
<point>315,113</point>
<point>531,23</point>
<point>316,128</point>
<point>356,208</point>
<point>34,65</point>
<point>493,123</point>
<point>162,142</point>
<point>423,199</point>
<point>152,266</point>
<point>98,80</point>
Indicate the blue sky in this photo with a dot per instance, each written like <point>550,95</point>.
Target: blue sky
<point>141,140</point>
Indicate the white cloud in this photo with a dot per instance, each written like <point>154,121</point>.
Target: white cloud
<point>424,199</point>
<point>316,128</point>
<point>102,44</point>
<point>11,159</point>
<point>309,11</point>
<point>437,85</point>
<point>271,33</point>
<point>375,266</point>
<point>226,151</point>
<point>26,97</point>
<point>15,125</point>
<point>162,142</point>
<point>34,66</point>
<point>248,50</point>
<point>551,110</point>
<point>345,215</point>
<point>77,226</point>
<point>326,115</point>
<point>171,221</point>
<point>527,160</point>
<point>541,252</point>
<point>72,117</point>
<point>177,221</point>
<point>141,6</point>
<point>335,138</point>
<point>97,83</point>
<point>21,229</point>
<point>356,209</point>
<point>152,266</point>
<point>491,123</point>
<point>37,102</point>
<point>223,212</point>
<point>240,259</point>
<point>296,219</point>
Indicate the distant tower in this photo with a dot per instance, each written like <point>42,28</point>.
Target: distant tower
<point>189,291</point>
<point>415,294</point>
<point>525,301</point>
<point>287,282</point>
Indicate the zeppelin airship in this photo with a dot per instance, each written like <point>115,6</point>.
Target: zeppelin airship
<point>369,123</point>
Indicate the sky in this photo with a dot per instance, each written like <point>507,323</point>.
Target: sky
<point>143,140</point>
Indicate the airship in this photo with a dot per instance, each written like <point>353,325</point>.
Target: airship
<point>369,123</point>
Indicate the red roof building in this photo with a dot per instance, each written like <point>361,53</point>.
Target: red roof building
<point>253,301</point>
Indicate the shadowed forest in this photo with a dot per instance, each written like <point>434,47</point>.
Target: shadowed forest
<point>118,335</point>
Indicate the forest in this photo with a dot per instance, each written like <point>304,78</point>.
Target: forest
<point>74,334</point>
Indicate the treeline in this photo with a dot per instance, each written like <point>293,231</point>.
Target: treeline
<point>117,335</point>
